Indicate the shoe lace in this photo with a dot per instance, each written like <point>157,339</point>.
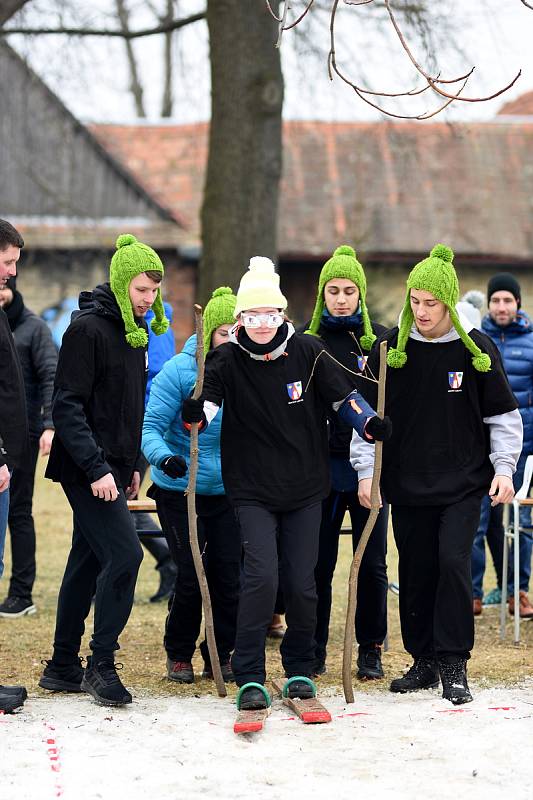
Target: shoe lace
<point>179,665</point>
<point>108,670</point>
<point>47,661</point>
<point>419,666</point>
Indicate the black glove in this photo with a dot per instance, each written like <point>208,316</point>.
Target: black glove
<point>192,410</point>
<point>174,466</point>
<point>379,429</point>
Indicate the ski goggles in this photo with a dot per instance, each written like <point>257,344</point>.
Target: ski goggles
<point>252,320</point>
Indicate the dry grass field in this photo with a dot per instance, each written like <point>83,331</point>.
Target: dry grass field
<point>24,642</point>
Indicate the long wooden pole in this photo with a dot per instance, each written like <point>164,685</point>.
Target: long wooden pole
<point>191,510</point>
<point>349,630</point>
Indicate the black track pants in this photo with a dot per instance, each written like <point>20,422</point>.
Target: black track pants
<point>297,532</point>
<point>105,555</point>
<point>220,545</point>
<point>372,586</point>
<point>21,526</point>
<point>434,547</point>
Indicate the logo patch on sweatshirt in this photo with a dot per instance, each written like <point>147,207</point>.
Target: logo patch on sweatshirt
<point>455,380</point>
<point>361,362</point>
<point>294,390</point>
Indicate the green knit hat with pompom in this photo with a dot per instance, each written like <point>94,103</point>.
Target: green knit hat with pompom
<point>437,275</point>
<point>343,264</point>
<point>220,310</point>
<point>131,259</point>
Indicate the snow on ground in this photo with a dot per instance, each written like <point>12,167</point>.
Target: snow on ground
<point>176,748</point>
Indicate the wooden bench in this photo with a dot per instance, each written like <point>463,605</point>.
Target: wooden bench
<point>144,506</point>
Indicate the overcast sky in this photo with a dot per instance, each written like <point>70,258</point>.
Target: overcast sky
<point>90,74</point>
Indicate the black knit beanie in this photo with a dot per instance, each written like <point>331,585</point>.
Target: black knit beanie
<point>504,282</point>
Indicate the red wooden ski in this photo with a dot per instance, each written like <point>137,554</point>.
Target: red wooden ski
<point>309,710</point>
<point>251,720</point>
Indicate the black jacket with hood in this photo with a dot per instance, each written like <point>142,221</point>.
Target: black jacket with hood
<point>38,358</point>
<point>13,421</point>
<point>98,400</point>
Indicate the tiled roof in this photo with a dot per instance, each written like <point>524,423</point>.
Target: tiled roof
<point>522,106</point>
<point>388,188</point>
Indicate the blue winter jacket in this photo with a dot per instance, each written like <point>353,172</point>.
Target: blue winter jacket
<point>515,343</point>
<point>160,348</point>
<point>163,431</point>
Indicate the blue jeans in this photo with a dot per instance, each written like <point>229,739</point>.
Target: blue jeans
<point>4,510</point>
<point>489,525</point>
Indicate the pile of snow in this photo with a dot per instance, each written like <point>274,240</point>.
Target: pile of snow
<point>383,745</point>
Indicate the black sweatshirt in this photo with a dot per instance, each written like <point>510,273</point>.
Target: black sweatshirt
<point>439,449</point>
<point>347,350</point>
<point>274,441</point>
<point>99,391</point>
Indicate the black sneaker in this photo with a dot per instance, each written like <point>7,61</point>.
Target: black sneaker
<point>12,697</point>
<point>62,677</point>
<point>369,667</point>
<point>102,682</point>
<point>252,699</point>
<point>424,674</point>
<point>180,671</point>
<point>226,670</point>
<point>301,689</point>
<point>454,683</point>
<point>14,607</point>
<point>167,581</point>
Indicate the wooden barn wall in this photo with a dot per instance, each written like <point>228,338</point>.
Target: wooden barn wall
<point>48,163</point>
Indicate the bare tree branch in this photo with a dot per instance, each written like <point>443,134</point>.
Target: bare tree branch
<point>433,82</point>
<point>135,83</point>
<point>166,103</point>
<point>165,27</point>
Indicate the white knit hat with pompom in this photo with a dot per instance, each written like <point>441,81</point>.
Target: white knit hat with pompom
<point>259,287</point>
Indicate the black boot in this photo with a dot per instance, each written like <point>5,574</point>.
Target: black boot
<point>369,667</point>
<point>62,677</point>
<point>167,579</point>
<point>303,690</point>
<point>12,697</point>
<point>102,682</point>
<point>454,683</point>
<point>252,698</point>
<point>424,674</point>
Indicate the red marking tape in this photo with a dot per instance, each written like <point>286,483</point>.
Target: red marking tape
<point>502,708</point>
<point>454,711</point>
<point>53,752</point>
<point>354,714</point>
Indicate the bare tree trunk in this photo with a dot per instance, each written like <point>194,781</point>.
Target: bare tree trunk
<point>135,84</point>
<point>166,103</point>
<point>10,7</point>
<point>240,208</point>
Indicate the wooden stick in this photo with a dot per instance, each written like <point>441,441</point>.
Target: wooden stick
<point>349,630</point>
<point>191,510</point>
